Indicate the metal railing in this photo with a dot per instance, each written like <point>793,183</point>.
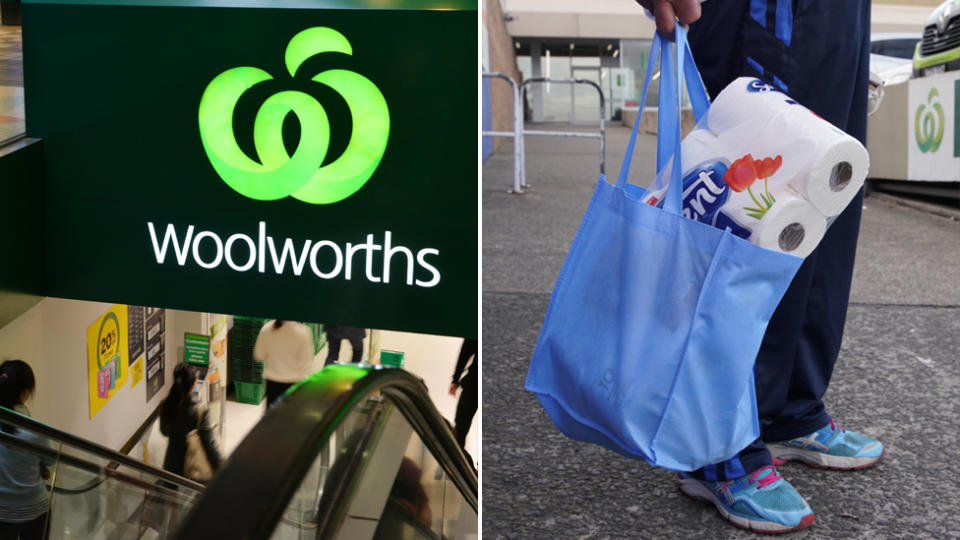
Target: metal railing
<point>602,135</point>
<point>18,420</point>
<point>518,164</point>
<point>519,133</point>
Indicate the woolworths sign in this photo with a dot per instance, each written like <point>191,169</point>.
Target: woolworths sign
<point>276,174</point>
<point>370,260</point>
<point>310,160</point>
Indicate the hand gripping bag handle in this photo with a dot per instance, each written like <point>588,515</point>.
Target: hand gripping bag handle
<point>669,110</point>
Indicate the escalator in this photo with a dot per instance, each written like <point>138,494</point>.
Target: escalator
<point>352,452</point>
<point>95,492</point>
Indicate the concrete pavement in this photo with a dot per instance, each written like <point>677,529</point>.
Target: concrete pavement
<point>897,378</point>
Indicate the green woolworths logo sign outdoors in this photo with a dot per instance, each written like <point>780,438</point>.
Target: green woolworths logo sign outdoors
<point>277,174</point>
<point>928,128</point>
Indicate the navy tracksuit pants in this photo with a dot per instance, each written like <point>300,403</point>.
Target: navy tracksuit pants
<point>817,51</point>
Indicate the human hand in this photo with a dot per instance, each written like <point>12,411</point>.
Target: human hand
<point>453,388</point>
<point>666,13</point>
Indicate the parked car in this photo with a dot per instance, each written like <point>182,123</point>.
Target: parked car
<point>891,62</point>
<point>939,50</point>
<point>895,44</point>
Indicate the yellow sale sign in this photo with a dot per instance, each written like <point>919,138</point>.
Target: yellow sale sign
<point>107,356</point>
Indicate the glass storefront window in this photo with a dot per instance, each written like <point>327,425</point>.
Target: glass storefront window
<point>636,57</point>
<point>11,73</point>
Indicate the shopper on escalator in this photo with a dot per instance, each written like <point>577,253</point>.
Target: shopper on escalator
<point>24,506</point>
<point>335,336</point>
<point>180,413</point>
<point>467,406</point>
<point>286,349</point>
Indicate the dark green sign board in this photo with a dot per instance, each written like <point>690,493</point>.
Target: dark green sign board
<point>310,164</point>
<point>196,349</point>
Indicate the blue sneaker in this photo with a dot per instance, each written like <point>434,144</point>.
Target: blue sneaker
<point>761,502</point>
<point>830,447</point>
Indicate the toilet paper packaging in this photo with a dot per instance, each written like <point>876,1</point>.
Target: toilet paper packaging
<point>767,168</point>
<point>728,196</point>
<point>822,163</point>
<point>745,100</point>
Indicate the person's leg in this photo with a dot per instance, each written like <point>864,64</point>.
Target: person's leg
<point>829,76</point>
<point>10,530</point>
<point>789,394</point>
<point>466,409</point>
<point>356,343</point>
<point>795,51</point>
<point>333,350</point>
<point>275,390</point>
<point>827,72</point>
<point>33,529</point>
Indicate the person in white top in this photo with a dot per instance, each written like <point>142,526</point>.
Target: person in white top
<point>286,348</point>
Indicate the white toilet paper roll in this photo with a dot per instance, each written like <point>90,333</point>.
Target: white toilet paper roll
<point>746,99</point>
<point>792,225</point>
<point>836,172</point>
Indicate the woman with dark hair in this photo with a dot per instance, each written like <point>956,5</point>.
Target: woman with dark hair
<point>286,349</point>
<point>24,505</point>
<point>180,413</point>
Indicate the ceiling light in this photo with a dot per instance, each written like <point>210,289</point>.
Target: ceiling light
<point>616,53</point>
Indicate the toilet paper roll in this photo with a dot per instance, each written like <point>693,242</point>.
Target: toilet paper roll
<point>792,225</point>
<point>821,163</point>
<point>746,99</point>
<point>836,172</point>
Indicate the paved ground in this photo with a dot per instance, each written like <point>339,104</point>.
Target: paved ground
<point>897,377</point>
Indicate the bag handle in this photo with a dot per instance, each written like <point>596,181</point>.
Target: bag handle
<point>672,70</point>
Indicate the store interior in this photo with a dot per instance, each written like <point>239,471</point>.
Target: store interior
<point>55,335</point>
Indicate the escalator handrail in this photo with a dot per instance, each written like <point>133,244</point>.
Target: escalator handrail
<point>18,420</point>
<point>102,472</point>
<point>249,495</point>
<point>437,435</point>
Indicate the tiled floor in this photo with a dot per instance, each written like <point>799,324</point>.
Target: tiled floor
<point>11,82</point>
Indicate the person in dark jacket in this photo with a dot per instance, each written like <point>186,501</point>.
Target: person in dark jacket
<point>467,406</point>
<point>178,416</point>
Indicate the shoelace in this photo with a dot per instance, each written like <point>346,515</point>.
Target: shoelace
<point>767,480</point>
<point>834,426</point>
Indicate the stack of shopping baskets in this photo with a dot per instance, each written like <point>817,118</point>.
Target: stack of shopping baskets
<point>247,373</point>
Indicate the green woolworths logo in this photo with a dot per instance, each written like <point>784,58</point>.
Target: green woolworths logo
<point>929,129</point>
<point>278,175</point>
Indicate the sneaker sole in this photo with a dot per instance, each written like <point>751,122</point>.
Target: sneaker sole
<point>697,491</point>
<point>819,460</point>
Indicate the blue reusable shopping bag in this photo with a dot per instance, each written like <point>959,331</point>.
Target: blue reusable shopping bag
<point>649,341</point>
